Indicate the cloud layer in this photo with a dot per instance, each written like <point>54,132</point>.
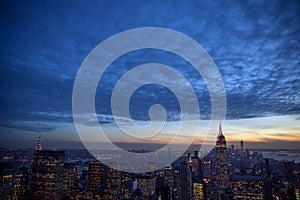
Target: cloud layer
<point>256,46</point>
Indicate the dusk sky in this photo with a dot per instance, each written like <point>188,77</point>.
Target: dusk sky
<point>255,45</point>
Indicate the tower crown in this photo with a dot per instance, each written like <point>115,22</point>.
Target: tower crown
<point>221,141</point>
<point>39,144</point>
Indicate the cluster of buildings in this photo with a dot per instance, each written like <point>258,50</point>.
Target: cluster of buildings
<point>224,173</point>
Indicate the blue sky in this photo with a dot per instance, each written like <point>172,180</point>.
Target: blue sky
<point>255,44</point>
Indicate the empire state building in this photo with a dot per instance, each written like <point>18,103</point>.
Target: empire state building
<point>221,179</point>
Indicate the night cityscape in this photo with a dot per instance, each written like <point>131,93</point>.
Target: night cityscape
<point>150,100</point>
<point>224,173</point>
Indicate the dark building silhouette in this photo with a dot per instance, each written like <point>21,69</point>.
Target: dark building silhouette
<point>7,169</point>
<point>185,181</point>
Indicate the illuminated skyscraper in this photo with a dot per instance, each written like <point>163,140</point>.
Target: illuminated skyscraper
<point>196,167</point>
<point>207,178</point>
<point>185,181</point>
<point>221,182</point>
<point>47,174</point>
<point>95,173</point>
<point>198,190</point>
<point>70,172</point>
<point>146,183</point>
<point>248,187</point>
<point>168,179</point>
<point>126,185</point>
<point>21,182</point>
<point>113,182</point>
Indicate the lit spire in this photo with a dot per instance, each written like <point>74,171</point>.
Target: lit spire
<point>220,128</point>
<point>39,144</point>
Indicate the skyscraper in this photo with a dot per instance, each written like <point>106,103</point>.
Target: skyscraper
<point>95,174</point>
<point>47,174</point>
<point>248,187</point>
<point>198,190</point>
<point>196,167</point>
<point>113,182</point>
<point>70,172</point>
<point>7,168</point>
<point>126,185</point>
<point>221,182</point>
<point>242,144</point>
<point>146,183</point>
<point>185,181</point>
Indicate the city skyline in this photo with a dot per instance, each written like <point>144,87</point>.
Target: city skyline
<point>255,46</point>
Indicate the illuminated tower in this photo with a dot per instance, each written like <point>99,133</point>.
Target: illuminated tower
<point>39,144</point>
<point>113,182</point>
<point>47,174</point>
<point>95,175</point>
<point>221,179</point>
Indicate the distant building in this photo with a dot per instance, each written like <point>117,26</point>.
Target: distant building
<point>47,174</point>
<point>247,187</point>
<point>242,144</point>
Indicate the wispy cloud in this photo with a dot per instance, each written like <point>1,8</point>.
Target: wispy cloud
<point>256,46</point>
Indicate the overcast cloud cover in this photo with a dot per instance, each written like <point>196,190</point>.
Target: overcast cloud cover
<point>255,44</point>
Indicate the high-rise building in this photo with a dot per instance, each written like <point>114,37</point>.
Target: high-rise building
<point>221,179</point>
<point>198,190</point>
<point>146,183</point>
<point>207,165</point>
<point>47,174</point>
<point>7,169</point>
<point>138,194</point>
<point>95,175</point>
<point>242,144</point>
<point>70,172</point>
<point>287,169</point>
<point>113,182</point>
<point>196,167</point>
<point>21,183</point>
<point>247,187</point>
<point>185,181</point>
<point>176,183</point>
<point>168,178</point>
<point>126,185</point>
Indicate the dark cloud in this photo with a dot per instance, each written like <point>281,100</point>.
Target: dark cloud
<point>255,44</point>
